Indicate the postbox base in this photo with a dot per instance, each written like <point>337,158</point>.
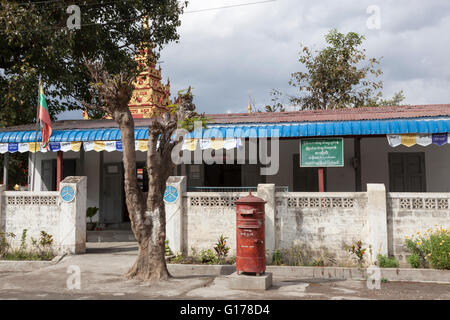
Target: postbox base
<point>247,282</point>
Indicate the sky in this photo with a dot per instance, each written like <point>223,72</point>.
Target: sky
<point>230,54</point>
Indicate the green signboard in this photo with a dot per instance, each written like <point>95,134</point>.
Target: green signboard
<point>327,152</point>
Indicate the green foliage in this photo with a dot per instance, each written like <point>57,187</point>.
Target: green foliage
<point>414,260</point>
<point>358,251</point>
<point>35,41</point>
<point>42,248</point>
<point>432,248</point>
<point>338,75</point>
<point>221,247</point>
<point>277,257</point>
<point>91,212</point>
<point>384,261</point>
<point>208,256</point>
<point>167,250</point>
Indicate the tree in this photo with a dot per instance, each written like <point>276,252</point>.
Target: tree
<point>111,94</point>
<point>36,41</point>
<point>337,76</point>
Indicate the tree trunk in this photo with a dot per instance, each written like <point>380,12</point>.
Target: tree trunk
<point>151,232</point>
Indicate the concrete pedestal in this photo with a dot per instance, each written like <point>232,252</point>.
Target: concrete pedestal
<point>246,282</point>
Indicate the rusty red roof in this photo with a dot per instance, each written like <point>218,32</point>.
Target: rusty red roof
<point>369,113</point>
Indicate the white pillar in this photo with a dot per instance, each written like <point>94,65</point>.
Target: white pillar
<point>267,192</point>
<point>176,187</point>
<point>72,228</point>
<point>377,218</point>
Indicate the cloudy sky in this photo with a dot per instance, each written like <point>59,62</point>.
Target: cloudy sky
<point>230,53</point>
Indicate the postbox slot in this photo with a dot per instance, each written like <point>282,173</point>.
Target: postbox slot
<point>247,211</point>
<point>249,227</point>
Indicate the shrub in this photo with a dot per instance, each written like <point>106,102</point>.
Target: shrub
<point>209,257</point>
<point>433,248</point>
<point>221,247</point>
<point>277,257</point>
<point>414,260</point>
<point>41,250</point>
<point>358,251</point>
<point>384,261</point>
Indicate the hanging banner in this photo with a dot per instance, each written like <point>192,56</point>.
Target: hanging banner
<point>14,147</point>
<point>55,146</point>
<point>99,146</point>
<point>23,147</point>
<point>75,146</point>
<point>394,140</point>
<point>119,146</point>
<point>33,147</point>
<point>88,145</point>
<point>3,147</point>
<point>110,146</point>
<point>409,139</point>
<point>142,145</point>
<point>424,139</point>
<point>439,139</point>
<point>66,146</point>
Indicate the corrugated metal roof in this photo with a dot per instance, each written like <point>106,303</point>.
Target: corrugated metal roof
<point>283,130</point>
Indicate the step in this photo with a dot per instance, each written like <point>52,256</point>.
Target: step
<point>110,236</point>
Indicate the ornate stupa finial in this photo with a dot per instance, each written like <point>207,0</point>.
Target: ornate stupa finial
<point>249,108</point>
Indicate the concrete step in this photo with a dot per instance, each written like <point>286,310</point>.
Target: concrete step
<point>110,236</point>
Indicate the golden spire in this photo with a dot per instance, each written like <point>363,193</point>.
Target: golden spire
<point>249,108</point>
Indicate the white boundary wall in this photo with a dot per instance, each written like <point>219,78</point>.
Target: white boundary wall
<point>317,222</point>
<point>46,211</point>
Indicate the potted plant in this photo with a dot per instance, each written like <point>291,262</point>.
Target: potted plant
<point>90,213</point>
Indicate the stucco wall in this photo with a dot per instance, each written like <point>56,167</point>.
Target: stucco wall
<point>409,213</point>
<point>205,219</point>
<point>322,223</point>
<point>46,211</point>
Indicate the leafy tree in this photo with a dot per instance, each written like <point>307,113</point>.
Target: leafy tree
<point>396,100</point>
<point>338,75</point>
<point>36,42</point>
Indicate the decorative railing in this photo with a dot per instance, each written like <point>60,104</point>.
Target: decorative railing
<point>216,199</point>
<point>422,201</point>
<point>25,198</point>
<point>233,189</point>
<point>314,200</point>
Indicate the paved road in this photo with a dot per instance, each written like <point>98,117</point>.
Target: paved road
<point>105,263</point>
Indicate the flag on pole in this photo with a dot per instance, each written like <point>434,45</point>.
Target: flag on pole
<point>44,118</point>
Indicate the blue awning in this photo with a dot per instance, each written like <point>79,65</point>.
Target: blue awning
<point>282,130</point>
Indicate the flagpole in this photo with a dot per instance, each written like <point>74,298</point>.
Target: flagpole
<point>36,135</point>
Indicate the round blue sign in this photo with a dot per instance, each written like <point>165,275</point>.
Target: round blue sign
<point>171,194</point>
<point>67,193</point>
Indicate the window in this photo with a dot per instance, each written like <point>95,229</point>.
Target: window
<point>407,172</point>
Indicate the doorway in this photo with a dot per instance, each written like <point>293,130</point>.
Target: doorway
<point>407,172</point>
<point>113,193</point>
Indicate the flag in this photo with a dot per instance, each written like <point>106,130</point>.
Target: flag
<point>44,118</point>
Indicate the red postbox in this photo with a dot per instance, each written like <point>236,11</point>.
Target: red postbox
<point>250,235</point>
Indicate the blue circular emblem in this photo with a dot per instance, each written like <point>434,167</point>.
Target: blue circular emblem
<point>171,194</point>
<point>67,193</point>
